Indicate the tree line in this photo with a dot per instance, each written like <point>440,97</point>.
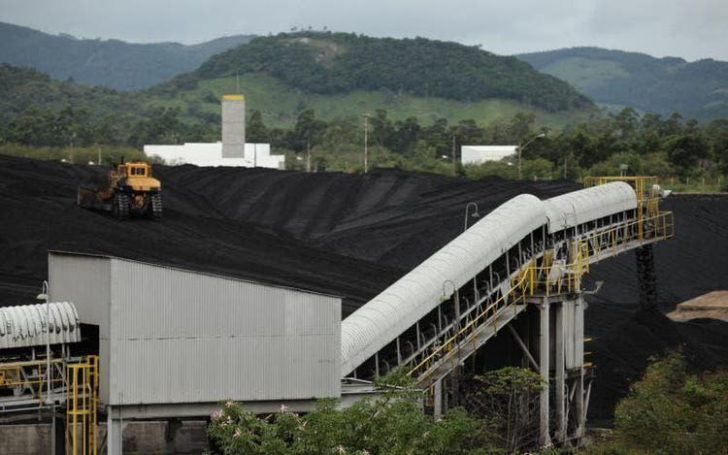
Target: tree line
<point>647,144</point>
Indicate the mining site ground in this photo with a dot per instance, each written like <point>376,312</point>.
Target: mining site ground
<point>352,236</point>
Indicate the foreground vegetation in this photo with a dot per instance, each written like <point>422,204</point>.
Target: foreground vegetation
<point>672,410</point>
<point>390,423</point>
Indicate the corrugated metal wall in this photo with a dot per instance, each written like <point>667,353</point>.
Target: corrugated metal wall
<point>85,281</point>
<point>183,337</point>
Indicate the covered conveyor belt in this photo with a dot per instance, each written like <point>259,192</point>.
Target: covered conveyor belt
<point>35,325</point>
<point>410,318</point>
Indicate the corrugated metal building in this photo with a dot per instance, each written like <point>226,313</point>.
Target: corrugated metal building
<point>176,342</point>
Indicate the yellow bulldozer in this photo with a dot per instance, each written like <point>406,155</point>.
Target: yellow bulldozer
<point>127,190</point>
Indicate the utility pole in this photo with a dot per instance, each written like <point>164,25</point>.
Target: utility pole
<point>520,154</point>
<point>454,162</point>
<point>366,143</point>
<point>520,162</point>
<point>308,156</point>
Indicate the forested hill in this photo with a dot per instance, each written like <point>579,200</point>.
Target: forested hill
<point>26,88</point>
<point>654,85</point>
<point>338,63</point>
<point>110,63</point>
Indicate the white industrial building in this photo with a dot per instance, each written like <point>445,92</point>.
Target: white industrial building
<point>202,154</point>
<point>479,154</point>
<point>232,151</point>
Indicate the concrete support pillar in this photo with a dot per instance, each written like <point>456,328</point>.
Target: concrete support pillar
<point>579,408</point>
<point>438,399</point>
<point>543,352</point>
<point>560,372</point>
<point>113,434</point>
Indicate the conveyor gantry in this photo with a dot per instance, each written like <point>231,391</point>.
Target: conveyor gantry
<point>540,260</point>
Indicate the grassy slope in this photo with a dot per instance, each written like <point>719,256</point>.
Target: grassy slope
<point>279,104</point>
<point>586,73</point>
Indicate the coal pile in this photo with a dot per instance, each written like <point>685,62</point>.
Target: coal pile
<point>689,265</point>
<point>352,236</point>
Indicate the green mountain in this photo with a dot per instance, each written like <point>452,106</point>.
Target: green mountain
<point>111,63</point>
<point>285,75</point>
<point>336,64</point>
<point>655,85</point>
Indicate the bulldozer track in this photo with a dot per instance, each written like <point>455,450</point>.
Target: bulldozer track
<point>156,206</point>
<point>121,206</point>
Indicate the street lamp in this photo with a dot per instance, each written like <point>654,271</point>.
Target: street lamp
<point>475,214</point>
<point>366,143</point>
<point>520,154</point>
<point>44,296</point>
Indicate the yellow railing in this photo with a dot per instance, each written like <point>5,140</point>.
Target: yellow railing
<point>649,229</point>
<point>539,278</point>
<point>527,282</point>
<point>522,282</point>
<point>81,382</point>
<point>32,375</point>
<point>642,184</point>
<point>82,393</point>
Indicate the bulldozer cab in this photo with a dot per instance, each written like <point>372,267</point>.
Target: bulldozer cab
<point>138,175</point>
<point>135,170</point>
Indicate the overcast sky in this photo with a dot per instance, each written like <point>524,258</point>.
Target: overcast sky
<point>692,29</point>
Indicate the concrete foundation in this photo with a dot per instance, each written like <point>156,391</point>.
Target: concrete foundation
<point>148,437</point>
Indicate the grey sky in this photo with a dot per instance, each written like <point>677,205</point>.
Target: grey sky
<point>691,29</point>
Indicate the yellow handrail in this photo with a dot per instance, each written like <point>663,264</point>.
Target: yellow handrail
<point>534,277</point>
<point>81,406</point>
<point>522,279</point>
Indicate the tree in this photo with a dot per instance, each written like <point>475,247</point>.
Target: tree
<point>520,126</point>
<point>675,410</point>
<point>308,131</point>
<point>509,397</point>
<point>382,130</point>
<point>716,133</point>
<point>256,131</point>
<point>391,423</point>
<point>685,151</point>
<point>407,135</point>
